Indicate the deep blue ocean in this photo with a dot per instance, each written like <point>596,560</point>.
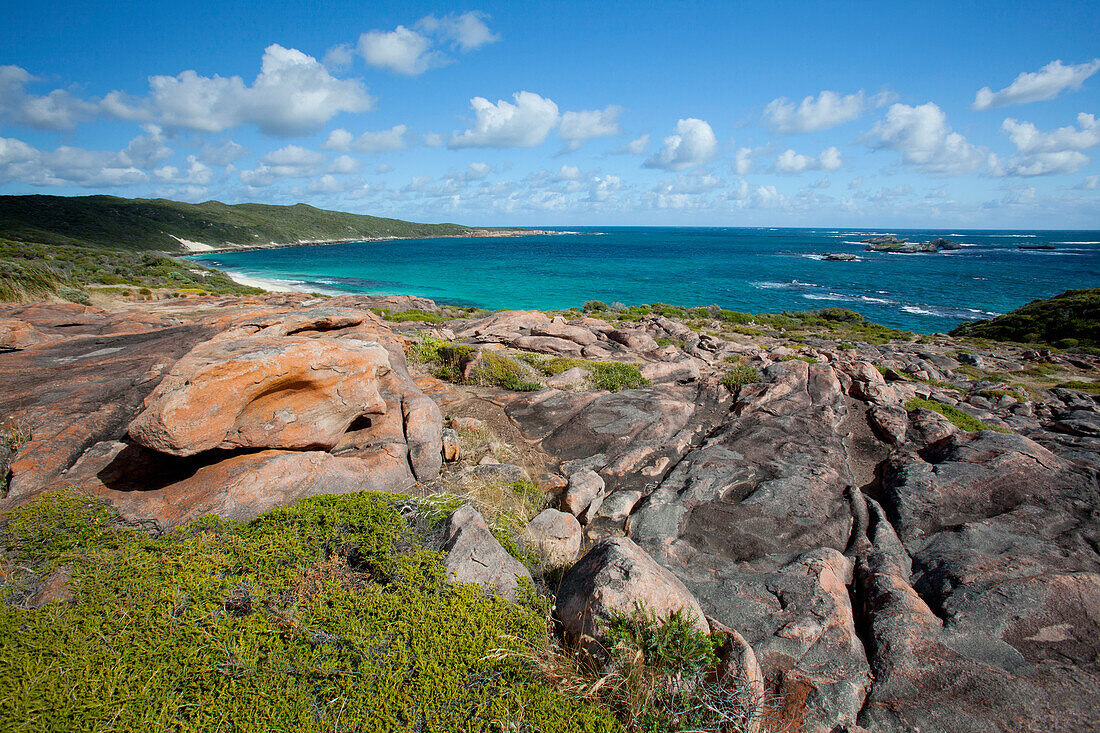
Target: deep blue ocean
<point>753,270</point>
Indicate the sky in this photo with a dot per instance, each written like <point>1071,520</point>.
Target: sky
<point>925,115</point>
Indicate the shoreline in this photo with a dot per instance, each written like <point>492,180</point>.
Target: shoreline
<point>199,248</point>
<point>271,286</point>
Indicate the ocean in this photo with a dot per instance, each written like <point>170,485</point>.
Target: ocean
<point>745,269</point>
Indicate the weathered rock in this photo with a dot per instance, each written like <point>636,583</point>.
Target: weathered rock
<point>473,555</point>
<point>547,345</point>
<point>467,423</point>
<point>423,435</point>
<point>57,587</point>
<point>556,536</point>
<point>633,340</point>
<point>585,486</point>
<point>576,334</point>
<point>503,326</point>
<point>685,370</point>
<point>616,576</point>
<point>890,421</point>
<point>144,485</point>
<point>451,449</point>
<point>16,335</point>
<point>288,392</point>
<point>569,378</point>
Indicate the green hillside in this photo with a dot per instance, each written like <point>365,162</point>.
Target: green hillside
<point>145,224</point>
<point>1066,320</point>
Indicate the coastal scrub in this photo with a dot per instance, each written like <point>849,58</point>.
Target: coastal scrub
<point>327,615</point>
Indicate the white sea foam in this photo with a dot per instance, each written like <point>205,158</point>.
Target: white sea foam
<point>1078,242</point>
<point>916,310</point>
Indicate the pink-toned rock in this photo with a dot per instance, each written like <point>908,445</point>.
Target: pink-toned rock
<point>502,326</point>
<point>615,577</point>
<point>555,536</point>
<point>634,340</point>
<point>451,448</point>
<point>423,435</point>
<point>473,555</point>
<point>17,335</point>
<point>890,421</point>
<point>585,486</point>
<point>548,345</point>
<point>684,370</point>
<point>576,334</point>
<point>144,485</point>
<point>288,392</point>
<point>56,588</point>
<point>467,423</point>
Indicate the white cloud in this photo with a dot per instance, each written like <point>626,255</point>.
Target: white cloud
<point>145,151</point>
<point>524,124</point>
<point>926,142</point>
<point>1028,139</point>
<point>68,165</point>
<point>790,162</point>
<point>1045,164</point>
<point>577,128</point>
<point>222,153</point>
<point>743,159</point>
<point>890,194</point>
<point>292,161</point>
<point>344,164</point>
<point>467,31</point>
<point>1091,183</point>
<point>690,185</point>
<point>434,140</point>
<point>383,141</point>
<point>293,94</point>
<point>478,171</point>
<point>768,197</point>
<point>569,173</point>
<point>401,50</point>
<point>693,144</point>
<point>636,146</point>
<point>383,168</point>
<point>1050,153</point>
<point>829,109</point>
<point>196,173</point>
<point>601,188</point>
<point>58,110</point>
<point>1036,86</point>
<point>17,158</point>
<point>339,57</point>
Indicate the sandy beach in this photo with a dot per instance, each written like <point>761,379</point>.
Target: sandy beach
<point>273,286</point>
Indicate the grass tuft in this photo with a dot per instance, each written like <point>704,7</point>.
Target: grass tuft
<point>960,419</point>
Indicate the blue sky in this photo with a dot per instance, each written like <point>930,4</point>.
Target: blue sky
<point>688,113</point>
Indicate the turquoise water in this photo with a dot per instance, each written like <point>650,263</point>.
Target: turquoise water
<point>753,270</point>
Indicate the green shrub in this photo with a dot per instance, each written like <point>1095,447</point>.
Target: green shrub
<point>75,295</point>
<point>1070,316</point>
<point>960,419</point>
<point>615,376</point>
<point>591,306</point>
<point>799,357</point>
<point>738,377</point>
<point>671,645</point>
<point>1090,387</point>
<point>412,314</point>
<point>500,371</point>
<point>327,615</point>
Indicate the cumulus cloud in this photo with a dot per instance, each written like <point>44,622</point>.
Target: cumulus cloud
<point>636,146</point>
<point>412,51</point>
<point>293,94</point>
<point>743,159</point>
<point>524,124</point>
<point>67,165</point>
<point>828,110</point>
<point>577,128</point>
<point>196,173</point>
<point>58,110</point>
<point>401,50</point>
<point>1029,139</point>
<point>222,153</point>
<point>383,141</point>
<point>1091,183</point>
<point>292,161</point>
<point>926,142</point>
<point>145,151</point>
<point>1050,153</point>
<point>467,31</point>
<point>1036,86</point>
<point>693,144</point>
<point>17,158</point>
<point>789,162</point>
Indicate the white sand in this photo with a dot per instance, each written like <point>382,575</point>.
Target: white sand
<point>192,246</point>
<point>270,285</point>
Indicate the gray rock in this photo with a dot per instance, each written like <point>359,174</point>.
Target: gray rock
<point>555,536</point>
<point>585,487</point>
<point>473,555</point>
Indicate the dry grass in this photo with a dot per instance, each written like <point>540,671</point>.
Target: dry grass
<point>646,698</point>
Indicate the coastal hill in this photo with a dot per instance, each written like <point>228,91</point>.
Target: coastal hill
<point>160,224</point>
<point>1071,319</point>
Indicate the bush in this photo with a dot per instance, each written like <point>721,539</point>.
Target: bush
<point>591,306</point>
<point>960,419</point>
<point>738,377</point>
<point>615,376</point>
<point>328,615</point>
<point>500,371</point>
<point>75,295</point>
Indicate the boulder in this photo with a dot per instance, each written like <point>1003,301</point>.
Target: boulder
<point>451,449</point>
<point>618,577</point>
<point>890,421</point>
<point>585,487</point>
<point>684,370</point>
<point>634,340</point>
<point>16,335</point>
<point>423,435</point>
<point>555,536</point>
<point>576,334</point>
<point>473,555</point>
<point>574,377</point>
<point>270,392</point>
<point>547,345</point>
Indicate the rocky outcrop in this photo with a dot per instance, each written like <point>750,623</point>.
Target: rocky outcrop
<point>287,392</point>
<point>473,555</point>
<point>617,577</point>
